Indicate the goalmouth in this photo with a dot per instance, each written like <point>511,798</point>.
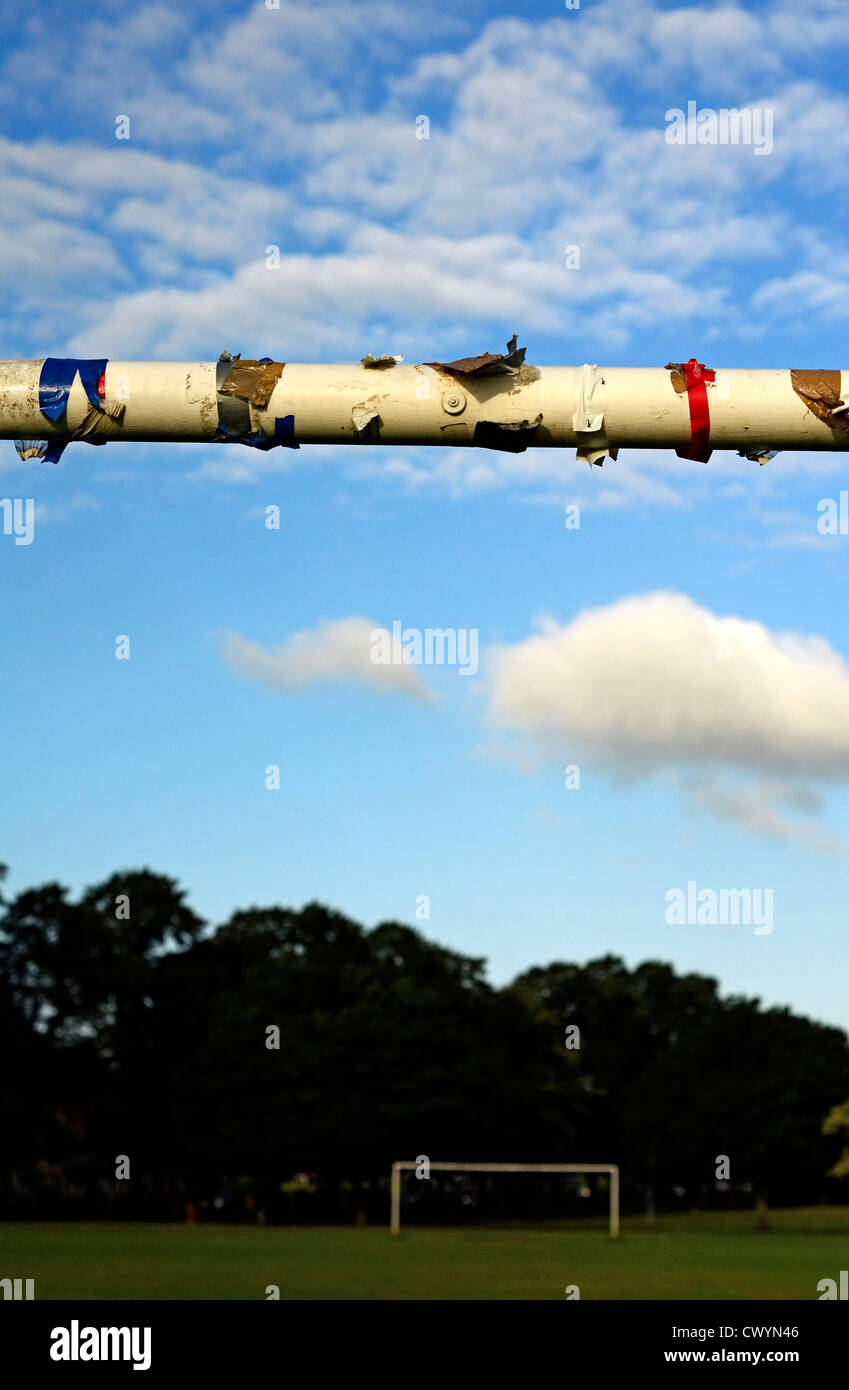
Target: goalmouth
<point>406,1163</point>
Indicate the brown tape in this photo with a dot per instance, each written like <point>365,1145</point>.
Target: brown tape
<point>819,388</point>
<point>487,364</point>
<point>252,381</point>
<point>677,376</point>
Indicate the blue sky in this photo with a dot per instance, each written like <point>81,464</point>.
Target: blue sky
<point>296,127</point>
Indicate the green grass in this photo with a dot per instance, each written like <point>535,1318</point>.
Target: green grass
<point>698,1256</point>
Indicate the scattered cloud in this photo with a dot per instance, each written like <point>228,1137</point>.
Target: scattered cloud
<point>746,719</point>
<point>154,243</point>
<point>335,651</point>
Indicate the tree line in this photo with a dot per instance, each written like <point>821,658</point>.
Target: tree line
<point>280,1062</point>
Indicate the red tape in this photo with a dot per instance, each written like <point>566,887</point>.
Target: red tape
<point>696,374</point>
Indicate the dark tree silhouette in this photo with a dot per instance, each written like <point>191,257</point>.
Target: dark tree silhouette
<point>290,1042</point>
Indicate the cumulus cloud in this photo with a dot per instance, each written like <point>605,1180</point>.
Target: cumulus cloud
<point>744,717</point>
<point>334,651</point>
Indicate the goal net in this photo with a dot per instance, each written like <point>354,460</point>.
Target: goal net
<point>423,1167</point>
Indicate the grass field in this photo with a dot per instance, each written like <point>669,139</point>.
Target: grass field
<point>699,1256</point>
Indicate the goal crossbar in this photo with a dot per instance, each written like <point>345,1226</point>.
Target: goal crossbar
<point>406,1164</point>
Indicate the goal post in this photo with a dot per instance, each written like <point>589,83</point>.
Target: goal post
<point>403,1164</point>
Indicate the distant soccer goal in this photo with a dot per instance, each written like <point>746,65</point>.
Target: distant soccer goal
<point>407,1164</point>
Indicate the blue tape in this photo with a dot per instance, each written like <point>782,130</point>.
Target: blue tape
<point>284,432</point>
<point>57,378</point>
<point>284,435</point>
<point>54,451</point>
<point>257,440</point>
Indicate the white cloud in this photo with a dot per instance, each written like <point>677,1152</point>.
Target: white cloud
<point>335,650</point>
<point>807,294</point>
<point>161,251</point>
<point>744,718</point>
<point>307,303</point>
<point>757,808</point>
<point>642,685</point>
<point>721,44</point>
